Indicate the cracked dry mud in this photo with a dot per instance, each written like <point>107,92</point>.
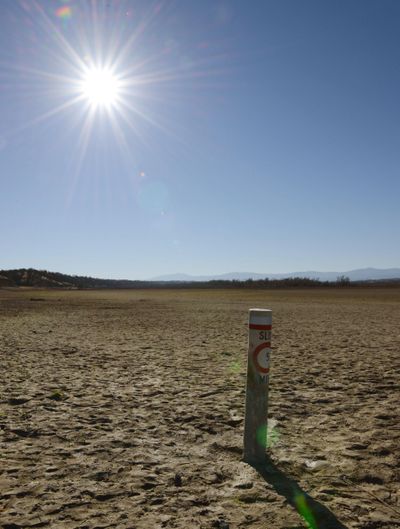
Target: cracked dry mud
<point>125,408</point>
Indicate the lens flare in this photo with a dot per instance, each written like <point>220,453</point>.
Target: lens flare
<point>267,436</point>
<point>64,12</point>
<point>235,367</point>
<point>261,435</point>
<point>304,510</point>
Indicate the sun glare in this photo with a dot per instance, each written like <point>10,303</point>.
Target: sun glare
<point>100,87</point>
<point>110,67</point>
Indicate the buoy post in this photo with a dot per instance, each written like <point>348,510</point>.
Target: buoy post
<point>256,411</point>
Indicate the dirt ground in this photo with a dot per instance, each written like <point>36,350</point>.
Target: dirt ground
<point>125,409</point>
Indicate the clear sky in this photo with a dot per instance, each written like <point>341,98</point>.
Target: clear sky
<point>141,138</point>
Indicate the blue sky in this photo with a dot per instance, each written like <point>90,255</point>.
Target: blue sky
<point>254,136</point>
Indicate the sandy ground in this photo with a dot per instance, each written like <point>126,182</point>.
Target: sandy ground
<point>125,409</point>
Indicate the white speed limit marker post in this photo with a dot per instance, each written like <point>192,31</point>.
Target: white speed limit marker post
<point>256,414</point>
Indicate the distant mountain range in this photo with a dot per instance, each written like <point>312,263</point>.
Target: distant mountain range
<point>361,274</point>
<point>29,277</point>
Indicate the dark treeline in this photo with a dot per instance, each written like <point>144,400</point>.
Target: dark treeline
<point>289,282</point>
<point>29,277</point>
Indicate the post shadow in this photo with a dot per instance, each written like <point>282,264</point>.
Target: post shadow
<point>316,515</point>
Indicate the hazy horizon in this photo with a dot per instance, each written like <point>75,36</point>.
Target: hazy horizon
<point>141,139</point>
<point>366,273</point>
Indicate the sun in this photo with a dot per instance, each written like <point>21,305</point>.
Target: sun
<point>100,87</point>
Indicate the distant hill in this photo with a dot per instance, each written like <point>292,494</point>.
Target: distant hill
<point>29,277</point>
<point>361,274</point>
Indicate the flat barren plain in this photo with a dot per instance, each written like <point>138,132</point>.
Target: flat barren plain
<point>125,409</point>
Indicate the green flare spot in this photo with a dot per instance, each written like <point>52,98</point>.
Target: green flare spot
<point>267,437</point>
<point>261,435</point>
<point>304,510</point>
<point>234,367</point>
